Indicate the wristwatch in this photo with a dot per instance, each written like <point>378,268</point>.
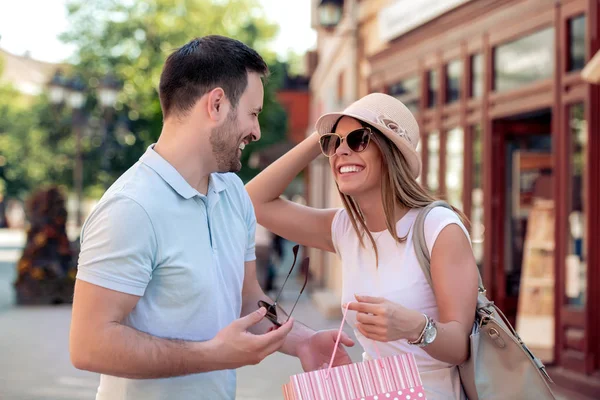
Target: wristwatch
<point>428,334</point>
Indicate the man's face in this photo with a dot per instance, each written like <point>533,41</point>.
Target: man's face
<point>240,127</point>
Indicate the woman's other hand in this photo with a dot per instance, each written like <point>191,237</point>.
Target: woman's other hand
<point>384,321</point>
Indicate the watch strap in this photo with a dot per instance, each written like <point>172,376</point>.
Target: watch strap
<point>421,337</point>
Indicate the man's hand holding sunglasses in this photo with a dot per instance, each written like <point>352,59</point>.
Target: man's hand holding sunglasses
<point>237,347</point>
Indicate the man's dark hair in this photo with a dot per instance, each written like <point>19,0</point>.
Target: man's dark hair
<point>204,64</point>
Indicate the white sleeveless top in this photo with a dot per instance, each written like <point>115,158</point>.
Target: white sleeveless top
<point>397,278</point>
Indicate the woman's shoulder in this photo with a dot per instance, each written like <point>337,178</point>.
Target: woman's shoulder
<point>439,215</point>
<point>438,219</point>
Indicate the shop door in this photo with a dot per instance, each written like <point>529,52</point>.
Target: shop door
<point>523,229</point>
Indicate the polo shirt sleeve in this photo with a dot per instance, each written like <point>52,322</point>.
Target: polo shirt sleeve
<point>250,227</point>
<point>118,246</point>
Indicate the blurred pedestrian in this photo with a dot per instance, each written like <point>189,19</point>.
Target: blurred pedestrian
<point>15,214</point>
<point>264,256</point>
<point>3,218</point>
<point>46,270</point>
<point>166,299</point>
<point>372,151</point>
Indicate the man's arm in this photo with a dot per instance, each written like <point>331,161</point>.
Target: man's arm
<point>99,342</point>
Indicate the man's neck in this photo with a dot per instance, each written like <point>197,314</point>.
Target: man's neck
<point>187,159</point>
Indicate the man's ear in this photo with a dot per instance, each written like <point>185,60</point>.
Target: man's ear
<point>218,104</point>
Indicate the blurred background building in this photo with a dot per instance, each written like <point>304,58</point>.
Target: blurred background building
<point>509,134</point>
<point>27,75</point>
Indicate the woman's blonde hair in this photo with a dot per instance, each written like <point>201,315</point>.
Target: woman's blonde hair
<point>397,187</point>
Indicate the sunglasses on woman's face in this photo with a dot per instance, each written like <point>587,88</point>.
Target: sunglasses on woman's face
<point>272,308</point>
<point>356,141</point>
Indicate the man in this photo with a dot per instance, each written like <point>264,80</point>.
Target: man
<point>167,260</point>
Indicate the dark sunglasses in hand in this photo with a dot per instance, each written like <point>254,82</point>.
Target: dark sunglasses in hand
<point>357,141</point>
<point>272,308</point>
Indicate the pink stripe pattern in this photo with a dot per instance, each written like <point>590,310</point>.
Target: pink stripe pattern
<point>389,378</point>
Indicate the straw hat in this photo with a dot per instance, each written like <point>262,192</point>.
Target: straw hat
<point>388,115</point>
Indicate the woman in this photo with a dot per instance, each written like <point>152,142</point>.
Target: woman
<point>372,154</point>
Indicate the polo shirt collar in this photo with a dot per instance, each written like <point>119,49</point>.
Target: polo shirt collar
<point>216,182</point>
<point>170,175</point>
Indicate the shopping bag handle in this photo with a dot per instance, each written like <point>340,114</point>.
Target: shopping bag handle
<point>337,342</point>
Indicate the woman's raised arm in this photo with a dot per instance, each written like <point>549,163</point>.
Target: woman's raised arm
<point>307,226</point>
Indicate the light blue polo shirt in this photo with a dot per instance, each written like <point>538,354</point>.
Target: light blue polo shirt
<point>153,235</point>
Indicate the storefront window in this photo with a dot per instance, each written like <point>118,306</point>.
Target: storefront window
<point>455,145</point>
<point>408,92</point>
<point>453,79</point>
<point>576,262</point>
<point>477,228</point>
<point>477,75</point>
<point>577,43</point>
<point>433,161</point>
<point>524,61</point>
<point>432,88</point>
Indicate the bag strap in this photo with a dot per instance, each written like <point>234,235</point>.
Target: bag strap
<point>337,342</point>
<point>420,245</point>
<point>422,254</point>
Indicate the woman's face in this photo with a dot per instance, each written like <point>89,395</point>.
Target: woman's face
<point>355,173</point>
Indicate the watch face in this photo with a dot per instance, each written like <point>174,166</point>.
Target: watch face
<point>430,334</point>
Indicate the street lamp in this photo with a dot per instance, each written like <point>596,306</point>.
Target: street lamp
<point>71,93</point>
<point>75,93</point>
<point>76,100</point>
<point>330,12</point>
<point>108,90</point>
<point>107,93</point>
<point>56,88</point>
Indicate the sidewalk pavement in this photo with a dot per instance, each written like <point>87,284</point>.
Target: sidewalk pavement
<point>34,341</point>
<point>35,365</point>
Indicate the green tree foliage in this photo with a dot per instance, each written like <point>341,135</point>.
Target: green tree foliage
<point>131,39</point>
<point>32,154</point>
<point>295,63</point>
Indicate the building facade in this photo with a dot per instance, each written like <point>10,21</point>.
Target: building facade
<point>27,75</point>
<point>510,135</point>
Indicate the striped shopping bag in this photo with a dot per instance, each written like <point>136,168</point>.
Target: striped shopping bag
<point>393,378</point>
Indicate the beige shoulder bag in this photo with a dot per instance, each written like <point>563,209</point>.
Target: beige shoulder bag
<point>500,365</point>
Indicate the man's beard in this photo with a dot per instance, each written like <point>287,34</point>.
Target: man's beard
<point>225,145</point>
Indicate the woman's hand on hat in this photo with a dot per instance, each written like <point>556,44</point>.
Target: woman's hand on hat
<point>384,321</point>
